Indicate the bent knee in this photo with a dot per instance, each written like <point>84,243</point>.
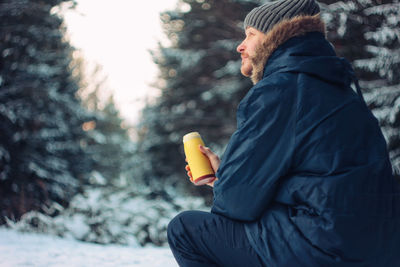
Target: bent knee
<point>176,225</point>
<point>176,228</point>
<point>185,221</point>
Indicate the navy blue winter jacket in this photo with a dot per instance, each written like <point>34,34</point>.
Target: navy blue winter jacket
<point>307,169</point>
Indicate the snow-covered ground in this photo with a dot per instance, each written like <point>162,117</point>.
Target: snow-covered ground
<point>28,249</point>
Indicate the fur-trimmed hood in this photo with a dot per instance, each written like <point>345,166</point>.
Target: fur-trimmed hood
<point>278,35</point>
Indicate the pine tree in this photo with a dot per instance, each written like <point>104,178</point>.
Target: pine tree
<point>367,33</point>
<point>41,159</point>
<point>109,144</point>
<point>200,85</point>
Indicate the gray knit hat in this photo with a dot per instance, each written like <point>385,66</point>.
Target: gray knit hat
<point>264,17</point>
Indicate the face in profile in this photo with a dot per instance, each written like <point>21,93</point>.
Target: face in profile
<point>247,49</point>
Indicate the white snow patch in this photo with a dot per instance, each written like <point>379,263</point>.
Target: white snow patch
<point>29,249</point>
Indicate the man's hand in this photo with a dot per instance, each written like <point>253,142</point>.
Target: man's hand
<point>212,157</point>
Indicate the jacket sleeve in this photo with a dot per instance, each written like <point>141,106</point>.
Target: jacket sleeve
<point>258,154</point>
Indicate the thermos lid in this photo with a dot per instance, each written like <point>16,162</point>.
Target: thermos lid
<point>191,135</point>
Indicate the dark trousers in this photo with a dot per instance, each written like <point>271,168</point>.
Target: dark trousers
<point>199,238</point>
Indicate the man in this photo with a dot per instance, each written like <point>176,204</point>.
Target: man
<point>305,179</point>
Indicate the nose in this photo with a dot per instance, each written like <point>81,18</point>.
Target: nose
<point>240,47</point>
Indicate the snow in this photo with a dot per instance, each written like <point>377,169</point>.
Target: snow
<point>30,249</point>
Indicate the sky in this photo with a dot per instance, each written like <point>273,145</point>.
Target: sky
<point>117,35</point>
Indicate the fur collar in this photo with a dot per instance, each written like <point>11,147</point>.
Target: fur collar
<point>278,35</point>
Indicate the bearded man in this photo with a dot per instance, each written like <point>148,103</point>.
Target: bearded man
<point>305,179</point>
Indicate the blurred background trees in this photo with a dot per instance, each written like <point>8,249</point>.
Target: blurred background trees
<point>51,140</point>
<point>41,159</point>
<point>67,153</point>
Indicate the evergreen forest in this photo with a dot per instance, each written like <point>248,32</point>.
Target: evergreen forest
<point>68,163</point>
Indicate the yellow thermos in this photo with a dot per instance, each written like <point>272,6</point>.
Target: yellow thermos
<point>199,164</point>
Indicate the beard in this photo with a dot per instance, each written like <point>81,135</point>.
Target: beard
<point>247,67</point>
<point>258,61</point>
<point>252,63</point>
